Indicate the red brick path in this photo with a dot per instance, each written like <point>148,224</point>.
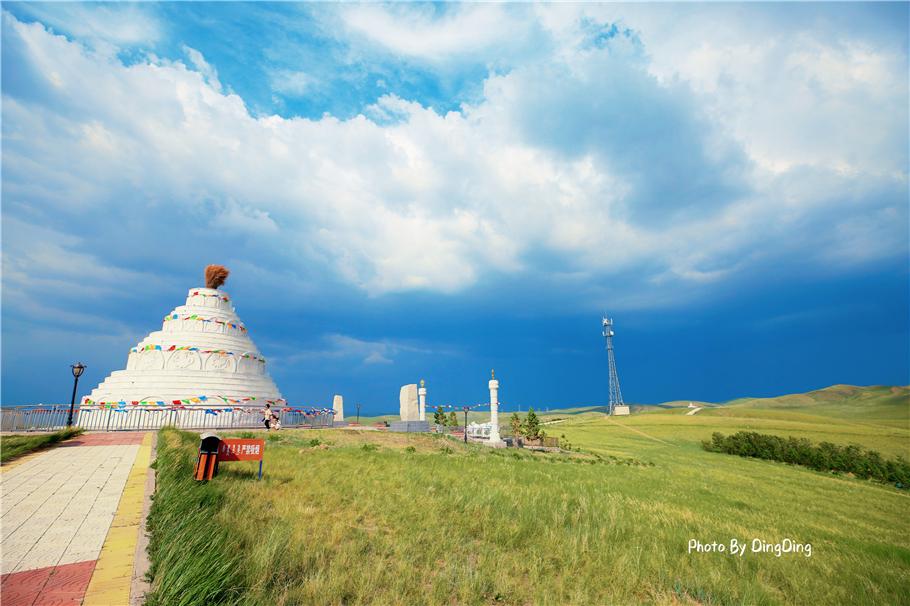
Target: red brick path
<point>52,586</point>
<point>106,439</point>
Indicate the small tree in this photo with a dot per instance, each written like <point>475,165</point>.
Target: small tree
<point>439,417</point>
<point>515,424</point>
<point>453,419</point>
<point>532,426</point>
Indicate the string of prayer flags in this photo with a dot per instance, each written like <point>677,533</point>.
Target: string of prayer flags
<point>196,293</point>
<point>89,405</point>
<point>457,406</point>
<point>221,352</point>
<point>199,318</point>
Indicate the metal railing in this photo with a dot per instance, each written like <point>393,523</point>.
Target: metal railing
<point>49,417</point>
<point>138,418</point>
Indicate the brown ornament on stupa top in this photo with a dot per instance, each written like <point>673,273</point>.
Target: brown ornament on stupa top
<point>215,275</point>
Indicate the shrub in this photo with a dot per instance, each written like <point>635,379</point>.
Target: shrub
<point>439,417</point>
<point>823,457</point>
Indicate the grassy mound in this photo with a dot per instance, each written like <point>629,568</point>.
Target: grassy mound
<point>14,446</point>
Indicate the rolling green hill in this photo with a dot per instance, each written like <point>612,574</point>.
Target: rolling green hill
<point>875,403</point>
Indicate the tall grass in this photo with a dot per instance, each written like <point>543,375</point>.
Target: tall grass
<point>14,446</point>
<point>195,559</point>
<point>425,520</point>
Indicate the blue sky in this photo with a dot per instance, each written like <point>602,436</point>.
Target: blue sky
<point>427,191</point>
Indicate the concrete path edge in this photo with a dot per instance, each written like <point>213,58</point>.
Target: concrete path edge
<point>140,586</point>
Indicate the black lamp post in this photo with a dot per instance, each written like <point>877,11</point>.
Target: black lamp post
<point>465,424</point>
<point>358,413</point>
<point>78,369</point>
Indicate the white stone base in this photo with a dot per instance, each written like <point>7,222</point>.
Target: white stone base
<point>620,411</point>
<point>494,444</point>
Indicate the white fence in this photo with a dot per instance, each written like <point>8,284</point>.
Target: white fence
<point>135,418</point>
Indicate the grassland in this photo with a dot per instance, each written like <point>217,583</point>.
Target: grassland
<point>16,445</point>
<point>378,518</point>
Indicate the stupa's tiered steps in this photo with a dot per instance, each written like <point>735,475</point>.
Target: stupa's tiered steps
<point>202,351</point>
<point>170,385</point>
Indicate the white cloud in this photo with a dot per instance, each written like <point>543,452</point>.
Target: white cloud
<point>292,83</point>
<point>549,174</point>
<point>105,27</point>
<point>202,66</point>
<point>791,92</point>
<point>417,31</point>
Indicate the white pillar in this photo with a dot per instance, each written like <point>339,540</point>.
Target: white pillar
<point>422,401</point>
<point>494,409</point>
<point>338,407</point>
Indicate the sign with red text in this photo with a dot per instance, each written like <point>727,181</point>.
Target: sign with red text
<point>240,449</point>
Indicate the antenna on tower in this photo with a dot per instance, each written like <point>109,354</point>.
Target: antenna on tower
<point>615,393</point>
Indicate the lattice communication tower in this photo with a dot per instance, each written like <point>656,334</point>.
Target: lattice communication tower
<point>615,393</point>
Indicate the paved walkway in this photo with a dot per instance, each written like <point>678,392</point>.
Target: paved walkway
<point>71,519</point>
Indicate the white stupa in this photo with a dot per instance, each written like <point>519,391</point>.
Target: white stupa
<point>202,356</point>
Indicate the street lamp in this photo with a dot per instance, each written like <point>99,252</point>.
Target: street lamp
<point>78,369</point>
<point>465,424</point>
<point>358,413</point>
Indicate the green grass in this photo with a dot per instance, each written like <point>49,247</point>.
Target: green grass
<point>359,517</point>
<point>14,446</point>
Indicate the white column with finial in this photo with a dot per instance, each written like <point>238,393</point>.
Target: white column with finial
<point>494,409</point>
<point>422,401</point>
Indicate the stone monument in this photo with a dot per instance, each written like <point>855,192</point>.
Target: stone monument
<point>410,412</point>
<point>338,407</point>
<point>407,402</point>
<point>422,398</point>
<point>202,356</point>
<point>495,440</point>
